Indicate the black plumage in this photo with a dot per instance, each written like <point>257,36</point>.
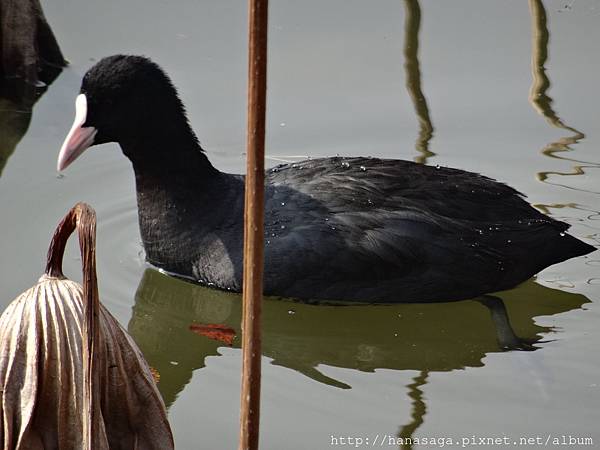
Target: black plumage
<point>349,229</point>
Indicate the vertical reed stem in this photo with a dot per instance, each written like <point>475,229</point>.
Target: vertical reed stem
<point>254,224</point>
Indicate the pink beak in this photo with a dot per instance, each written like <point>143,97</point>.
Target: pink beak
<point>79,138</point>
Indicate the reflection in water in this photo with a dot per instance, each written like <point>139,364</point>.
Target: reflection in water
<point>543,103</point>
<point>16,104</point>
<point>423,337</point>
<point>30,60</point>
<point>505,334</point>
<point>412,24</point>
<point>539,55</point>
<point>419,408</point>
<point>28,48</point>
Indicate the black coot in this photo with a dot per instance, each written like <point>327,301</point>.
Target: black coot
<point>352,229</point>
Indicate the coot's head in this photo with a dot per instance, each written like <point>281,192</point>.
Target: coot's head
<point>122,99</point>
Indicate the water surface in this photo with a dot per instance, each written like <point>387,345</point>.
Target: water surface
<point>507,89</point>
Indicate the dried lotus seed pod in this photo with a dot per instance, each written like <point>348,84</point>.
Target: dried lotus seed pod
<point>71,376</point>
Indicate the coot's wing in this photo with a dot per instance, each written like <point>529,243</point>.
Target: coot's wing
<point>357,184</point>
<point>365,227</point>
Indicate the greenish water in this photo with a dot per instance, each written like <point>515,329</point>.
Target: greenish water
<point>507,89</point>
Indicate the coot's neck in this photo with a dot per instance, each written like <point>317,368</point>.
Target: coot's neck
<point>177,188</point>
<point>167,150</point>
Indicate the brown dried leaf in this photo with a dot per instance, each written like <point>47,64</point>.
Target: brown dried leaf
<point>215,331</point>
<point>71,377</point>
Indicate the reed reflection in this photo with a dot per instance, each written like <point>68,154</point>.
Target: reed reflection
<point>542,102</point>
<point>418,410</point>
<point>425,337</point>
<point>412,24</point>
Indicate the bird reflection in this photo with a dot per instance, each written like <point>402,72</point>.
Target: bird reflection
<point>424,337</point>
<point>542,102</point>
<point>412,23</point>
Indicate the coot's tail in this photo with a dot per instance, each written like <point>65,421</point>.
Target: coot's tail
<point>540,246</point>
<point>555,245</point>
<point>569,247</point>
